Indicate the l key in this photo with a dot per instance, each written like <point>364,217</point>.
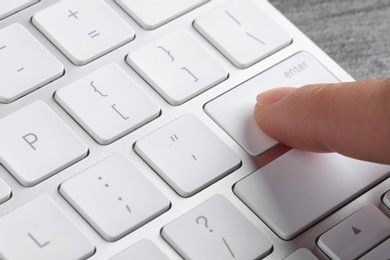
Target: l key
<point>39,229</point>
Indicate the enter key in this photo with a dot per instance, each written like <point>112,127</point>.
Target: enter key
<point>233,111</point>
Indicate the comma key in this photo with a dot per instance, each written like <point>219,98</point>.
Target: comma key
<point>35,144</point>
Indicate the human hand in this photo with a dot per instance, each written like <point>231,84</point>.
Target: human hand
<point>351,118</point>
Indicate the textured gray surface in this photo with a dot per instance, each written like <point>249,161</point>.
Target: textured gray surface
<point>355,33</point>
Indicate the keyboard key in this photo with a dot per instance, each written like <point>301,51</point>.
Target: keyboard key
<point>83,30</point>
<point>5,192</point>
<point>36,144</point>
<point>151,14</point>
<point>40,230</point>
<point>107,103</point>
<point>9,7</point>
<point>233,111</point>
<point>177,67</point>
<point>242,32</point>
<point>380,252</point>
<point>386,199</point>
<point>216,230</point>
<point>119,198</point>
<point>143,249</point>
<point>301,254</point>
<point>187,155</point>
<point>356,234</point>
<point>300,188</point>
<point>25,64</point>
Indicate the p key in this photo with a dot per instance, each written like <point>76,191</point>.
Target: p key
<point>35,144</point>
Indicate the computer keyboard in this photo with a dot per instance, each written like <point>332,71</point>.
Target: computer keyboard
<point>127,132</point>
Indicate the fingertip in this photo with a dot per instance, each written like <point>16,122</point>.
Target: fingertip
<point>272,96</point>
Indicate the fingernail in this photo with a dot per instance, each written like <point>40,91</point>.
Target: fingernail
<point>273,95</point>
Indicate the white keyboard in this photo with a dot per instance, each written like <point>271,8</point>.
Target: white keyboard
<point>126,132</point>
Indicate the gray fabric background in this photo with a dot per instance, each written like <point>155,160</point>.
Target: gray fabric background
<point>355,33</point>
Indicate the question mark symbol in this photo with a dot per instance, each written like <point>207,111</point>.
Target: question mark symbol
<point>198,220</point>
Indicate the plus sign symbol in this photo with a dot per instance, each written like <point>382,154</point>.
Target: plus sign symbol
<point>73,14</point>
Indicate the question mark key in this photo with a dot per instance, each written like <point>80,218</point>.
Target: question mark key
<point>215,229</point>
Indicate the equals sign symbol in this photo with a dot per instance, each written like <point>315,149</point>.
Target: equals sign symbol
<point>93,34</point>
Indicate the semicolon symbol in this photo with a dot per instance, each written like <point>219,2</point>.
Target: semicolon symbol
<point>128,208</point>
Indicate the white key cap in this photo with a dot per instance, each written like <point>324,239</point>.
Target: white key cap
<point>25,64</point>
<point>299,188</point>
<point>9,7</point>
<point>143,249</point>
<point>119,198</point>
<point>242,32</point>
<point>216,230</point>
<point>151,14</point>
<point>233,111</point>
<point>40,230</point>
<point>83,30</point>
<point>177,67</point>
<point>107,103</point>
<point>5,192</point>
<point>356,234</point>
<point>301,254</point>
<point>386,199</point>
<point>380,252</point>
<point>35,144</point>
<point>187,155</point>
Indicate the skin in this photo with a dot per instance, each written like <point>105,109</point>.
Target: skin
<point>351,118</point>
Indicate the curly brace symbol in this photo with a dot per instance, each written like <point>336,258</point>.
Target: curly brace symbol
<point>96,90</point>
<point>167,52</point>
